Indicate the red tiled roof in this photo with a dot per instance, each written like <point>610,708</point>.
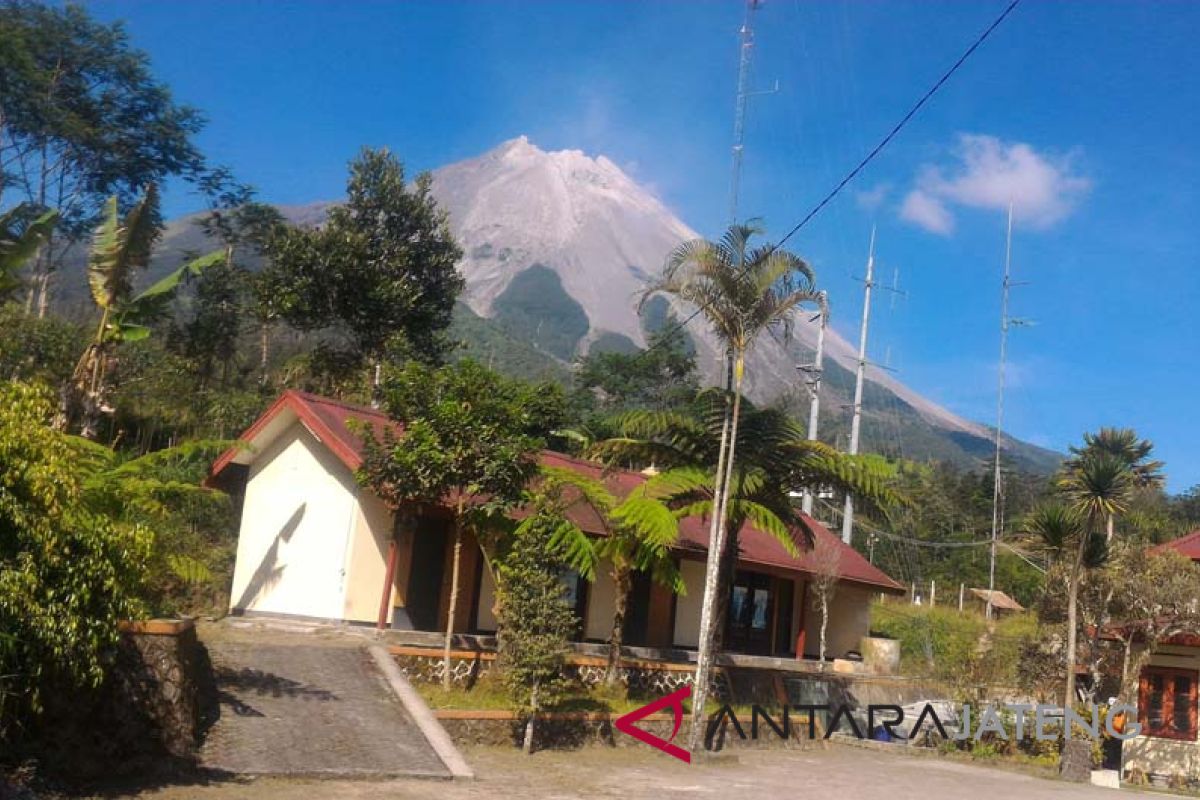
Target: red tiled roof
<point>328,420</point>
<point>1188,545</point>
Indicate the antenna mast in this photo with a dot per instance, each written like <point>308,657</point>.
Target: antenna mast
<point>746,35</point>
<point>997,493</point>
<point>860,375</point>
<point>812,380</point>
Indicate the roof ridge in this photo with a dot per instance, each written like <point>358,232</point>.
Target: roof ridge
<point>312,397</point>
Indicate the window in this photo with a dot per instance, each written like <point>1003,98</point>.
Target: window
<point>1167,703</point>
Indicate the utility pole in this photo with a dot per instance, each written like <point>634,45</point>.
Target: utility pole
<point>860,375</point>
<point>812,380</point>
<point>997,495</point>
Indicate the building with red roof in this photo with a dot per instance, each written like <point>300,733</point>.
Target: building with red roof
<point>314,544</point>
<point>1187,545</point>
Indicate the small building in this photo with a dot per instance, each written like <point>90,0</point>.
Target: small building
<point>1001,603</point>
<point>313,544</point>
<point>1167,697</point>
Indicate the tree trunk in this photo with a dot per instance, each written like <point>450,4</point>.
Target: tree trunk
<point>1126,647</point>
<point>527,745</point>
<point>453,602</point>
<point>824,600</point>
<point>264,351</point>
<point>704,653</point>
<point>623,581</point>
<point>1072,623</point>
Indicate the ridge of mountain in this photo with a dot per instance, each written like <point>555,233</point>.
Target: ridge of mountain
<point>557,247</point>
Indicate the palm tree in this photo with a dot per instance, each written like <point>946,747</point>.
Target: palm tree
<point>741,291</point>
<point>639,532</point>
<point>121,247</point>
<point>20,237</point>
<point>1064,535</point>
<point>1097,485</point>
<point>1129,452</point>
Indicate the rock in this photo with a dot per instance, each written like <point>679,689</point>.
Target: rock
<point>1076,764</point>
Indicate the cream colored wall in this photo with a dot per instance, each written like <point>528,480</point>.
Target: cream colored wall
<point>1166,756</point>
<point>373,524</point>
<point>299,510</point>
<point>849,621</point>
<point>602,602</point>
<point>687,606</point>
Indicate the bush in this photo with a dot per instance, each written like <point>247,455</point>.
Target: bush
<point>67,575</point>
<point>955,647</point>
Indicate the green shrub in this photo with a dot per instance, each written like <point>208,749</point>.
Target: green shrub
<point>952,646</point>
<point>67,574</point>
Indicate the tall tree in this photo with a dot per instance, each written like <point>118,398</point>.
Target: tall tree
<point>224,295</point>
<point>82,118</point>
<point>1067,535</point>
<point>379,277</point>
<point>742,291</point>
<point>470,440</point>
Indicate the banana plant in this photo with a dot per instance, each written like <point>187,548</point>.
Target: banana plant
<point>120,248</point>
<point>19,242</point>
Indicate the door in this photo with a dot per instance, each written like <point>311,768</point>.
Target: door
<point>425,576</point>
<point>751,611</point>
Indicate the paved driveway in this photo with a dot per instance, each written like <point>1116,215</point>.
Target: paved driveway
<point>628,772</point>
<point>309,709</point>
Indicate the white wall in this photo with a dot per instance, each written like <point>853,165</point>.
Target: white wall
<point>299,509</point>
<point>687,606</point>
<point>602,602</point>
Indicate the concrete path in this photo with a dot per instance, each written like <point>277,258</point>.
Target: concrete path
<point>632,773</point>
<point>294,709</point>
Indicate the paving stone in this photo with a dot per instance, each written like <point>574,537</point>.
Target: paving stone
<point>310,710</point>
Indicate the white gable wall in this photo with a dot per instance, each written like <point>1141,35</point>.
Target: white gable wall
<point>299,511</point>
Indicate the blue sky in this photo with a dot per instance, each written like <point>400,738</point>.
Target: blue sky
<point>1083,114</point>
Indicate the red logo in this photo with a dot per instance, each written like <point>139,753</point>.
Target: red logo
<point>675,701</point>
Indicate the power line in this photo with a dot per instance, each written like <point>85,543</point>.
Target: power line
<point>852,174</point>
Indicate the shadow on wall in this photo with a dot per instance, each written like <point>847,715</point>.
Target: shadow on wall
<point>268,572</point>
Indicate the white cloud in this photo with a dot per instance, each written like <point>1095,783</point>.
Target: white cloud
<point>927,211</point>
<point>988,173</point>
<point>871,199</point>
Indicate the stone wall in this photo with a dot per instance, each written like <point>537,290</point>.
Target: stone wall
<point>146,717</point>
<point>162,671</point>
<point>640,676</point>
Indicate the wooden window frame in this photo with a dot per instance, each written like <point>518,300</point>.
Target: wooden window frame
<point>1169,699</point>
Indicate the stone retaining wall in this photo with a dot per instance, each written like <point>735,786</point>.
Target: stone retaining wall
<point>652,678</point>
<point>145,717</point>
<point>160,675</point>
